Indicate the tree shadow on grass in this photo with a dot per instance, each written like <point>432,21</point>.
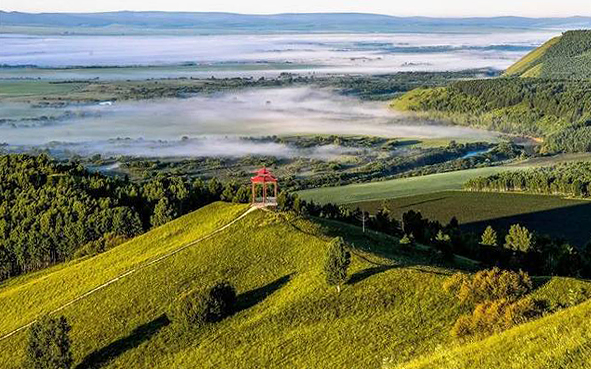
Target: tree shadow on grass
<point>100,357</point>
<point>366,273</point>
<point>251,298</point>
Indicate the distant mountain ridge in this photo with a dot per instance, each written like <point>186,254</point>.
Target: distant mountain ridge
<point>289,22</point>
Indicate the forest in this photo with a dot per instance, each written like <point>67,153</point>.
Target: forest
<point>52,211</point>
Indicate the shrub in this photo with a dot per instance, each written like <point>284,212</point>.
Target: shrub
<point>199,307</point>
<point>496,316</point>
<point>488,285</point>
<point>336,263</point>
<point>48,346</point>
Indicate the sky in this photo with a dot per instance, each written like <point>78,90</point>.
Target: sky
<point>437,8</point>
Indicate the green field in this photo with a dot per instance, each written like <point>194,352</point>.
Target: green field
<point>398,187</point>
<point>9,88</point>
<point>551,215</point>
<point>393,306</point>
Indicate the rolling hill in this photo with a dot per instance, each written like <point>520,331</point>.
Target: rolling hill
<point>566,56</point>
<point>392,310</point>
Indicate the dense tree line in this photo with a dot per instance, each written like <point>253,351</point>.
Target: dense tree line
<point>536,107</point>
<point>567,179</point>
<point>50,210</point>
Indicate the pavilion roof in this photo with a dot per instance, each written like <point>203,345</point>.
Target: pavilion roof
<point>263,175</point>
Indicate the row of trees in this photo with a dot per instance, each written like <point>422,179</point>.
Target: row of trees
<point>567,179</point>
<point>49,211</point>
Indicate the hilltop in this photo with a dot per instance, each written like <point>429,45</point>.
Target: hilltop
<point>565,56</point>
<point>393,307</point>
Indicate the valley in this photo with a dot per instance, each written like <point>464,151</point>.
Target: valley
<point>432,208</point>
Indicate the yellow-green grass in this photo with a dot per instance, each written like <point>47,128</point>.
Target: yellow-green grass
<point>553,215</point>
<point>400,187</point>
<point>561,340</point>
<point>530,60</point>
<point>393,305</point>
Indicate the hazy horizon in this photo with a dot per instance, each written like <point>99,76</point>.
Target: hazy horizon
<point>431,8</point>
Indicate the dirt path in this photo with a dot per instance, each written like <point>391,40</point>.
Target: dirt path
<point>138,268</point>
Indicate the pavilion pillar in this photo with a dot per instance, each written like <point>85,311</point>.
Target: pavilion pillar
<point>264,192</point>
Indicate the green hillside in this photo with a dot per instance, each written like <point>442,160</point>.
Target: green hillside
<point>393,307</point>
<point>530,64</point>
<point>566,56</point>
<point>561,340</point>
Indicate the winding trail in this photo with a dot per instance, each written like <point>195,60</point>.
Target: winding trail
<point>138,268</point>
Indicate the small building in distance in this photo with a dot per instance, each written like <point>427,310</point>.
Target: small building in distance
<point>263,178</point>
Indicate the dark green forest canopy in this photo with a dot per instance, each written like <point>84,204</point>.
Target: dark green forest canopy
<point>50,210</point>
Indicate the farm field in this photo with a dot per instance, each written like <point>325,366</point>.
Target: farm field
<point>552,215</point>
<point>10,88</point>
<point>288,316</point>
<point>401,187</point>
<point>448,181</point>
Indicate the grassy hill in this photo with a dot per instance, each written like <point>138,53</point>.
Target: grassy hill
<point>393,306</point>
<point>566,56</point>
<point>561,340</point>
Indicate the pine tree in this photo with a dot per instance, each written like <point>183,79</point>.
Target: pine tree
<point>489,237</point>
<point>336,263</point>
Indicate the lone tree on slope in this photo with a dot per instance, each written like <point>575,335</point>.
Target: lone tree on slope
<point>336,263</point>
<point>48,346</point>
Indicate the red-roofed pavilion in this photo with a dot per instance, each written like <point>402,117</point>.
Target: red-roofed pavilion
<point>264,177</point>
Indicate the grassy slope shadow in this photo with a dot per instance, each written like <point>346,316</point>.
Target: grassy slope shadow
<point>249,299</point>
<point>139,335</point>
<point>144,332</point>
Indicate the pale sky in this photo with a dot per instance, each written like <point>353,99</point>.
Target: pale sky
<point>443,8</point>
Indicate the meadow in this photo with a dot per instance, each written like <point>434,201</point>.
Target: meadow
<point>288,316</point>
<point>400,187</point>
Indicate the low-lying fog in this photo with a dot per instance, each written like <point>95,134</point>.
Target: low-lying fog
<point>321,53</point>
<point>214,124</point>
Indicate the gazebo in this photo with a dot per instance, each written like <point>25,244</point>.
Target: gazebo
<point>264,177</point>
